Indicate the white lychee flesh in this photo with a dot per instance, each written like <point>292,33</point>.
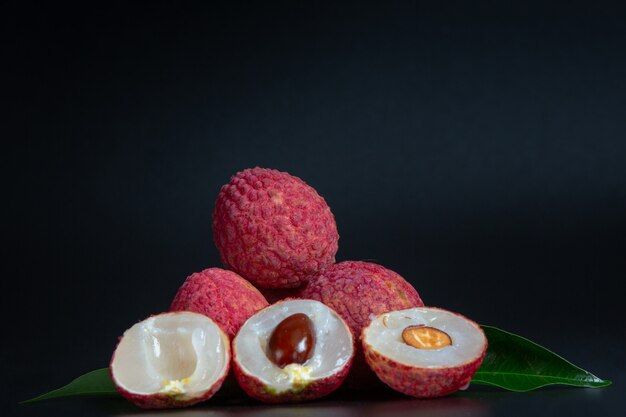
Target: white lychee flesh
<point>329,361</point>
<point>384,334</point>
<point>171,359</point>
<point>424,370</point>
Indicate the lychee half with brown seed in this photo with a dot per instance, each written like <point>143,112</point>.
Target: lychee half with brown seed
<point>273,228</point>
<point>294,350</point>
<point>222,295</point>
<point>424,352</point>
<point>171,360</point>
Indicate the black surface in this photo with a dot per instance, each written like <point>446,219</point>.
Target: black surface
<point>478,150</point>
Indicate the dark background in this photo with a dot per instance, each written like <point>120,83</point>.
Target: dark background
<point>477,149</point>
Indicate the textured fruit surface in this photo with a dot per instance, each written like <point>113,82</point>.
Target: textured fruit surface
<point>273,228</point>
<point>300,391</point>
<point>221,295</point>
<point>320,374</point>
<point>421,382</point>
<point>159,401</point>
<point>357,291</point>
<point>424,372</point>
<point>292,341</point>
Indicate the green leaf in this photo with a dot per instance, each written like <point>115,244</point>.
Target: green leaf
<point>512,363</point>
<point>94,383</point>
<point>517,364</point>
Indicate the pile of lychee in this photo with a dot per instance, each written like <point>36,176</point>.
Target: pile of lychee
<point>328,322</point>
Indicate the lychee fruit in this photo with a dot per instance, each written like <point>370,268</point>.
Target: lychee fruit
<point>424,352</point>
<point>222,295</point>
<point>273,229</point>
<point>358,291</point>
<point>293,350</point>
<point>171,360</point>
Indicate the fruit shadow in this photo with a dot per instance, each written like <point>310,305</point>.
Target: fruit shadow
<point>344,403</point>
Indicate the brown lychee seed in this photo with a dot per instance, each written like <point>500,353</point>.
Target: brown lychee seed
<point>292,341</point>
<point>424,351</point>
<point>425,337</point>
<point>171,360</point>
<point>306,372</point>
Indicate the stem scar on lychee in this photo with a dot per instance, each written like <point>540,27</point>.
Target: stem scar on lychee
<point>425,337</point>
<point>292,341</point>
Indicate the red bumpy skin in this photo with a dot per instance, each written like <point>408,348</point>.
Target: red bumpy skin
<point>157,401</point>
<point>357,291</point>
<point>273,228</point>
<point>221,295</point>
<point>423,382</point>
<point>310,391</point>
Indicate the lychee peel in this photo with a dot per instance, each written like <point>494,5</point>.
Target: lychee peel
<point>424,381</point>
<point>357,290</point>
<point>273,228</point>
<point>308,391</point>
<point>158,401</point>
<point>221,295</point>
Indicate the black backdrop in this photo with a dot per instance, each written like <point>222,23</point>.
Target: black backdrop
<point>478,151</point>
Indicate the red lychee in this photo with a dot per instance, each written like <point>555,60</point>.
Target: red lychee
<point>273,228</point>
<point>221,295</point>
<point>424,352</point>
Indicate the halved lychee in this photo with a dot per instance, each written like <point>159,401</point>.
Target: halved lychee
<point>171,360</point>
<point>293,350</point>
<point>424,351</point>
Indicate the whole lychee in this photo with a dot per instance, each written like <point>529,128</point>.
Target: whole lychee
<point>222,295</point>
<point>171,360</point>
<point>358,291</point>
<point>424,352</point>
<point>294,350</point>
<point>273,228</point>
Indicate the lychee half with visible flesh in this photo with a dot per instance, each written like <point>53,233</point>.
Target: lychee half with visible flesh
<point>222,295</point>
<point>294,350</point>
<point>171,360</point>
<point>273,228</point>
<point>424,352</point>
<point>358,291</point>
